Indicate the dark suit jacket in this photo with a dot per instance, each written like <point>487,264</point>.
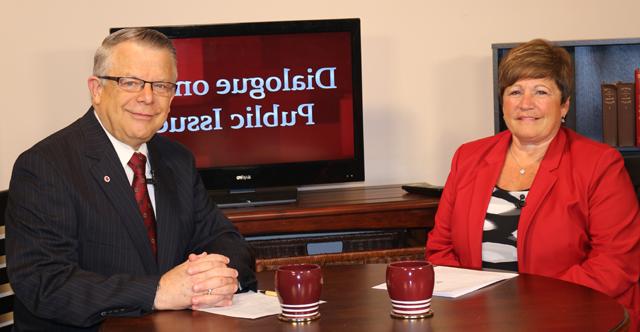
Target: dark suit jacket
<point>580,223</point>
<point>77,248</point>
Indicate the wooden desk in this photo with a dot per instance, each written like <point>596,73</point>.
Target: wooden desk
<point>525,303</point>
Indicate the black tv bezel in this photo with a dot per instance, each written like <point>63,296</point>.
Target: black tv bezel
<point>296,173</point>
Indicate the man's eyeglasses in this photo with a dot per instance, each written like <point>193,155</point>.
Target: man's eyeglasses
<point>134,84</point>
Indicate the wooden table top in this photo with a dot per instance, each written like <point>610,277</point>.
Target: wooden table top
<point>524,303</point>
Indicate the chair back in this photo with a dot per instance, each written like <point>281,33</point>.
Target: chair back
<point>6,293</point>
<point>632,164</point>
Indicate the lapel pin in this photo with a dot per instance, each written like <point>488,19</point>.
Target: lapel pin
<point>107,179</point>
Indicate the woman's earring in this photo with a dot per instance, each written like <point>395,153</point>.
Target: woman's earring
<point>562,120</point>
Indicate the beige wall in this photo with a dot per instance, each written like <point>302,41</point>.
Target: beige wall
<point>426,64</point>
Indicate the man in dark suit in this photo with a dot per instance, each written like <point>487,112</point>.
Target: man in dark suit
<point>82,245</point>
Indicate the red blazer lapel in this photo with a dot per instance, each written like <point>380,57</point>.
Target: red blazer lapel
<point>545,180</point>
<point>488,171</point>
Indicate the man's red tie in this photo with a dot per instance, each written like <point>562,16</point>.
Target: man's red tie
<point>138,164</point>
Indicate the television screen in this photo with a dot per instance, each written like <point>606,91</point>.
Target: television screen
<point>269,104</point>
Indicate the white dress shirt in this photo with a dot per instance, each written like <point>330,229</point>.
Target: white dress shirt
<point>125,152</point>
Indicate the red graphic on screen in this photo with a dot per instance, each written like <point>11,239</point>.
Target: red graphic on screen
<point>265,133</point>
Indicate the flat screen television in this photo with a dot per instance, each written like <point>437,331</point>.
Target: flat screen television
<point>269,105</point>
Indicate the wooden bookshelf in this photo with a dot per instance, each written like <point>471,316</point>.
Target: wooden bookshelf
<point>595,61</point>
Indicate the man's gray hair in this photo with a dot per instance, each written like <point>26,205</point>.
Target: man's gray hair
<point>144,36</point>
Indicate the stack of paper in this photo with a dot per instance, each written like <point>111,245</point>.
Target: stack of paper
<point>249,305</point>
<point>454,282</point>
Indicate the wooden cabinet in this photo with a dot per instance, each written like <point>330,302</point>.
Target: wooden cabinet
<point>340,210</point>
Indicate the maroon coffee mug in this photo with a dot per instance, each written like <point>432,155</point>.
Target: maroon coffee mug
<point>298,287</point>
<point>410,287</point>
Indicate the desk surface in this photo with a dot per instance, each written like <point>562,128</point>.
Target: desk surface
<point>525,303</point>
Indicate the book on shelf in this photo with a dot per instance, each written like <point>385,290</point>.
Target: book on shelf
<point>637,115</point>
<point>609,114</point>
<point>626,114</point>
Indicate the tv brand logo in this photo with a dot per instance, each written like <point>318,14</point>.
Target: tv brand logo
<point>243,177</point>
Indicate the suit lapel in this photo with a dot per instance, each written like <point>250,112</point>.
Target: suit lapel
<point>166,197</point>
<point>545,180</point>
<point>111,178</point>
<point>488,170</point>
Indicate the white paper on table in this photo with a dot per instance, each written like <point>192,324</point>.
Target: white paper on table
<point>454,282</point>
<point>249,305</point>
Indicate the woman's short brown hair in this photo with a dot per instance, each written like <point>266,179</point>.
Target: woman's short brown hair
<point>537,58</point>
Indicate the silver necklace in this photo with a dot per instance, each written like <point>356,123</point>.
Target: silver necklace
<point>522,170</point>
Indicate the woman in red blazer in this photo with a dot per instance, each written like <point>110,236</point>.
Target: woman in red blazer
<point>539,198</point>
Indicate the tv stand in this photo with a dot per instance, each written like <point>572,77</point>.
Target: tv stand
<point>254,197</point>
<point>388,210</point>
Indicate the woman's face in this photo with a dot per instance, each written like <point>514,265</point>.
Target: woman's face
<point>532,110</point>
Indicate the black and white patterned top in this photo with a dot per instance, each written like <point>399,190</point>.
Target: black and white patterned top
<point>500,230</point>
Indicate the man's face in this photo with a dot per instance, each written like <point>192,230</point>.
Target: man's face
<point>133,117</point>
